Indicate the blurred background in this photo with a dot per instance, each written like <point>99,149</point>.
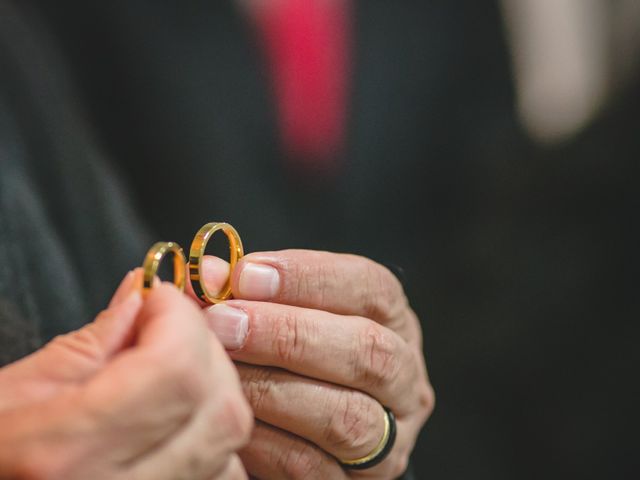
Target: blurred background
<point>487,149</point>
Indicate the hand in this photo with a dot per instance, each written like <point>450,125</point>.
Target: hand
<point>322,341</point>
<point>143,392</point>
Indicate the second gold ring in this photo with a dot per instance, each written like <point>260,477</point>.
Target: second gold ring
<point>152,261</point>
<point>198,247</point>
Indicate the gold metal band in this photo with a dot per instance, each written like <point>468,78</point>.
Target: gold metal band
<point>376,451</point>
<point>196,253</point>
<point>152,262</point>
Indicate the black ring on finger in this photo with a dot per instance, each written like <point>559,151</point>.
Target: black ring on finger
<point>380,452</point>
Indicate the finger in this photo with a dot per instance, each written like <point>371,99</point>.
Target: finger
<point>151,391</point>
<point>346,424</point>
<point>113,329</point>
<point>349,351</point>
<point>215,272</point>
<point>343,422</point>
<point>338,283</point>
<point>275,454</point>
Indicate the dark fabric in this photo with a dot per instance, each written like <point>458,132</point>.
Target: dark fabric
<point>67,234</point>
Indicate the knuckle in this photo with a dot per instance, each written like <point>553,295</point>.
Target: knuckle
<point>311,279</point>
<point>304,284</point>
<point>350,426</point>
<point>377,364</point>
<point>257,384</point>
<point>288,338</point>
<point>382,296</point>
<point>301,462</point>
<point>427,399</point>
<point>82,343</point>
<point>327,276</point>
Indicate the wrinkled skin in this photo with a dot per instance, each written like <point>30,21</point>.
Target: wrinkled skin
<point>330,339</point>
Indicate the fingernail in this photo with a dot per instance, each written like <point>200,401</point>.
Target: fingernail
<point>229,324</point>
<point>259,282</point>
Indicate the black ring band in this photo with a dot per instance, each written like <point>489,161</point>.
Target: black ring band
<point>384,453</point>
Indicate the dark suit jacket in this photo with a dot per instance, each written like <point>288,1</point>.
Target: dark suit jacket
<point>504,248</point>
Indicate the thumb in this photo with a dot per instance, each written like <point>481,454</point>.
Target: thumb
<point>215,272</point>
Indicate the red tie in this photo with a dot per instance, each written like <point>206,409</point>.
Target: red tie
<point>307,47</point>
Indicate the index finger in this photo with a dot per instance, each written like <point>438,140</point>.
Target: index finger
<point>339,283</point>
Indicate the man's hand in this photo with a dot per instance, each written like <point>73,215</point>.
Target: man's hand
<point>143,392</point>
<point>322,341</point>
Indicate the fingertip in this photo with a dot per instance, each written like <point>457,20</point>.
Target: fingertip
<point>215,272</point>
<point>169,320</point>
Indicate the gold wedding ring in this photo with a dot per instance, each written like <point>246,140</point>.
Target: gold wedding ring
<point>380,452</point>
<point>152,262</point>
<point>196,253</point>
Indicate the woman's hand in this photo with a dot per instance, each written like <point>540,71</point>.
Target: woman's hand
<point>322,342</point>
<point>143,392</point>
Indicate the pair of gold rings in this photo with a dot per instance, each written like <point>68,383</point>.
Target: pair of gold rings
<point>158,251</point>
